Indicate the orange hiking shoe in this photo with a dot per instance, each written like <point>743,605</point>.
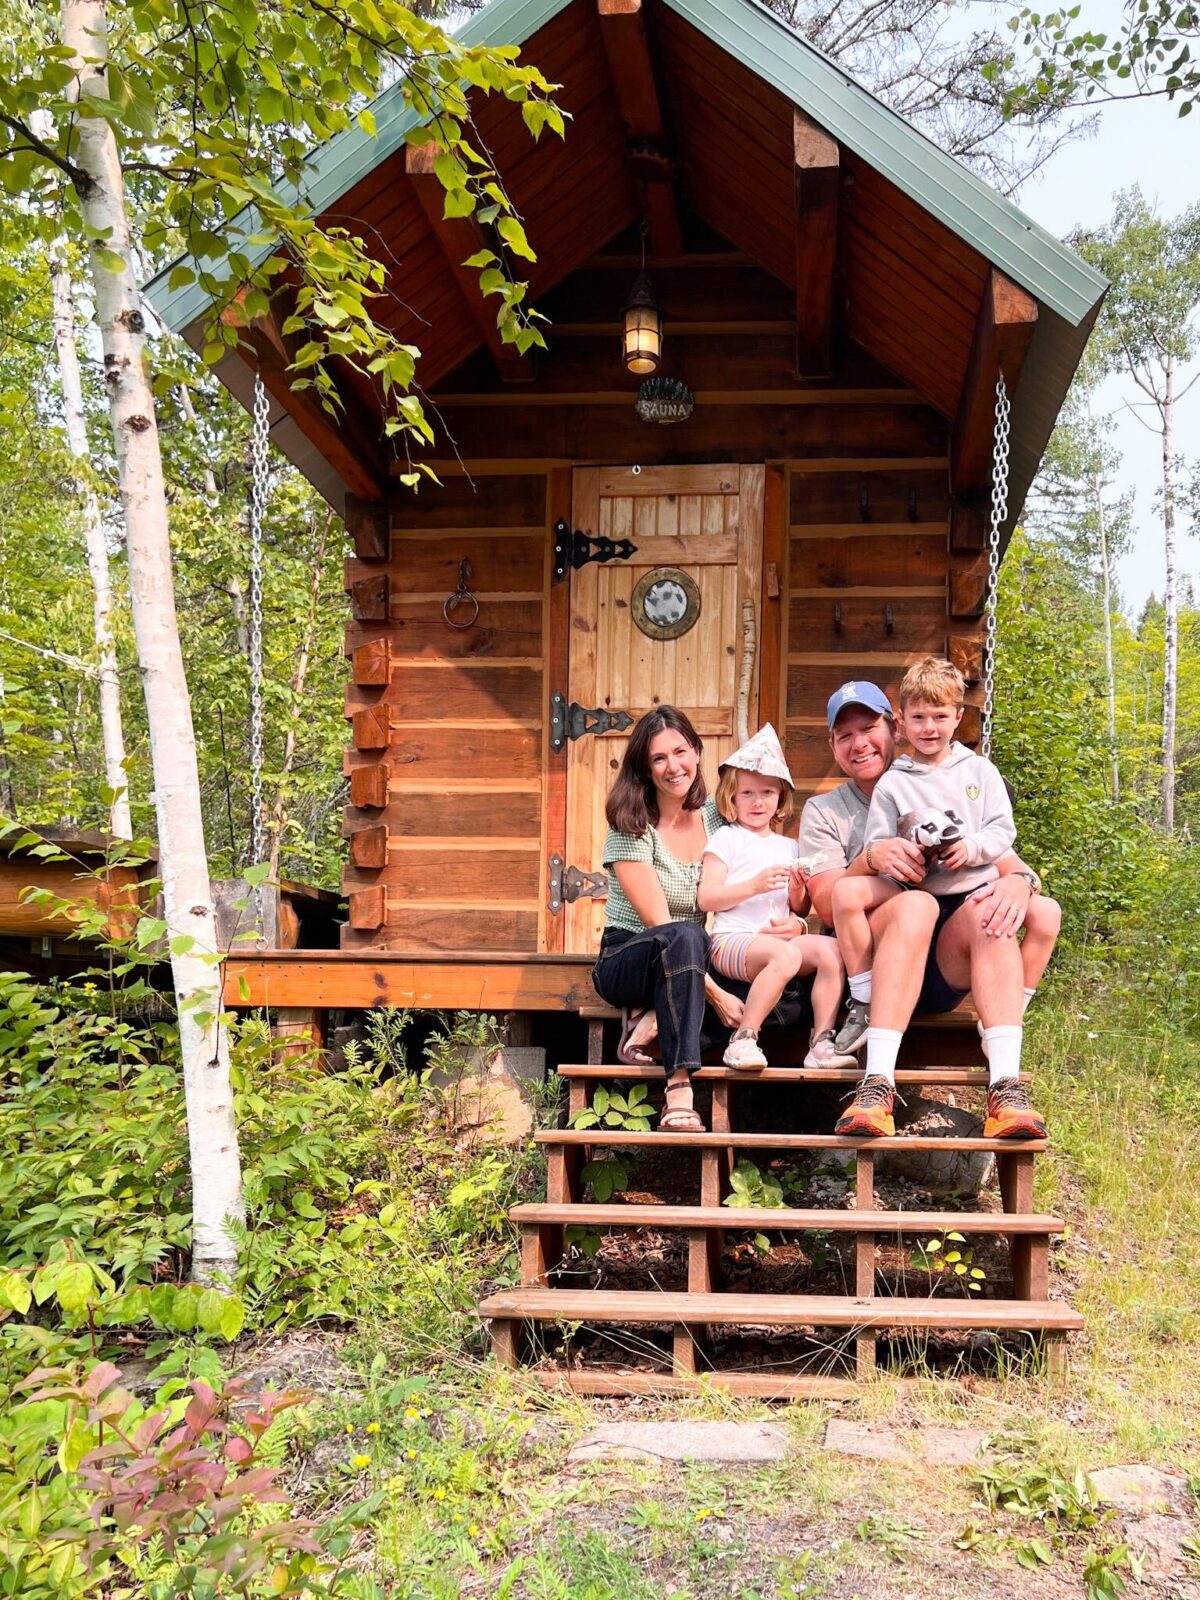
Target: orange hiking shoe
<point>1009,1114</point>
<point>870,1116</point>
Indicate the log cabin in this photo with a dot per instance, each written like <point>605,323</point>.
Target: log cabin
<point>804,495</point>
<point>836,296</point>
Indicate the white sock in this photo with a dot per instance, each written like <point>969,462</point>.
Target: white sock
<point>1002,1047</point>
<point>883,1046</point>
<point>860,986</point>
<point>1029,994</point>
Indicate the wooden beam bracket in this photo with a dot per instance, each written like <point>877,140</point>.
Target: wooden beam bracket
<point>623,29</point>
<point>817,174</point>
<point>1004,330</point>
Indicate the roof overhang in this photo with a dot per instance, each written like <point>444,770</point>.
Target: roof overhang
<point>1068,292</point>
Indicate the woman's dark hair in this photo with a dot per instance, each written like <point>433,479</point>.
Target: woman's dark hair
<point>633,801</point>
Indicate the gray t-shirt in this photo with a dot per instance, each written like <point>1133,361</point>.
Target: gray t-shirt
<point>832,827</point>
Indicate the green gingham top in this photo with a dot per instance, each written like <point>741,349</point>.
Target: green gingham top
<point>678,878</point>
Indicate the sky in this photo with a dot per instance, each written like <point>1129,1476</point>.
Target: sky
<point>1139,142</point>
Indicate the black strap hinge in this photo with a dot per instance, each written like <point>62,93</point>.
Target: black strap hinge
<point>573,549</point>
<point>568,884</point>
<point>575,721</point>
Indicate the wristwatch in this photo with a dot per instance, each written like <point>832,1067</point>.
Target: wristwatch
<point>1032,879</point>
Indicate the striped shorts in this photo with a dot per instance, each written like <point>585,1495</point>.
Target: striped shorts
<point>727,954</point>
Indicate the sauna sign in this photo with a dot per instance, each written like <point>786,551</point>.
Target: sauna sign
<point>664,400</point>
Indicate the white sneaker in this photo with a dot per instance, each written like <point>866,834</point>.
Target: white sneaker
<point>824,1053</point>
<point>744,1053</point>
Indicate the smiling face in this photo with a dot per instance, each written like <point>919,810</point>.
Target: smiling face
<point>930,728</point>
<point>673,764</point>
<point>756,800</point>
<point>863,745</point>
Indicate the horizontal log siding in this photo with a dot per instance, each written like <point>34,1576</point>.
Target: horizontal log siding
<point>873,585</point>
<point>447,730</point>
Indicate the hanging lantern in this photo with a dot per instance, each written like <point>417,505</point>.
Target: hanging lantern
<point>642,337</point>
<point>643,329</point>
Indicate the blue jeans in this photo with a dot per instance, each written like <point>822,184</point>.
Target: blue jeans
<point>663,967</point>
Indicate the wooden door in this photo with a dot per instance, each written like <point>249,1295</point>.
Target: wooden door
<point>705,522</point>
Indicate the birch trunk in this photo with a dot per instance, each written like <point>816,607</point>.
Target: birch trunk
<point>112,732</point>
<point>1110,680</point>
<point>212,1133</point>
<point>299,678</point>
<point>1170,601</point>
<point>111,729</point>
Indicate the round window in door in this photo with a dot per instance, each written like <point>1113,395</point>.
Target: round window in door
<point>666,603</point>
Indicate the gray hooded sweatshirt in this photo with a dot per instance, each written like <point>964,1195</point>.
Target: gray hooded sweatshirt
<point>964,783</point>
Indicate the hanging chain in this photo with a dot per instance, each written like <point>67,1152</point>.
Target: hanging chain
<point>999,514</point>
<point>258,506</point>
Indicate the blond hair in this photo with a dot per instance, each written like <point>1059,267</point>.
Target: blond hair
<point>727,788</point>
<point>933,682</point>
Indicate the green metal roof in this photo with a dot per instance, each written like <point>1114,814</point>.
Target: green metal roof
<point>745,29</point>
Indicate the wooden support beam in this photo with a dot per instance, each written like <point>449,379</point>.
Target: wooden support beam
<point>1003,331</point>
<point>368,522</point>
<point>631,69</point>
<point>458,239</point>
<point>817,174</point>
<point>350,442</point>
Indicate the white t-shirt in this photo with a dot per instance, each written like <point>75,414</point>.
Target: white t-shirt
<point>745,854</point>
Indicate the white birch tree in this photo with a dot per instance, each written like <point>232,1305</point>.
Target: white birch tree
<point>1149,332</point>
<point>187,897</point>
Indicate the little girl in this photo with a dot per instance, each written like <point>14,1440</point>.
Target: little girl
<point>751,877</point>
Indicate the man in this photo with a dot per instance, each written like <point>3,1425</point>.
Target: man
<point>975,951</point>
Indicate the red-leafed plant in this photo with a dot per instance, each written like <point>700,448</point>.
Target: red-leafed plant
<point>192,1483</point>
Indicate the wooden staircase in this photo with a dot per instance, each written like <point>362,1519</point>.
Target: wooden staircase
<point>851,1322</point>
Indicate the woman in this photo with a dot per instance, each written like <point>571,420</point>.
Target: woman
<point>654,953</point>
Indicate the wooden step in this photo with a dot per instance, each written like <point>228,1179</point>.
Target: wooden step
<point>755,1385</point>
<point>959,1077</point>
<point>619,1138</point>
<point>788,1219</point>
<point>638,1307</point>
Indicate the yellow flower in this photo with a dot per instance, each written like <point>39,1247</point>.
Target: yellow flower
<point>349,1427</point>
<point>412,1455</point>
<point>412,1414</point>
<point>439,1494</point>
<point>372,1427</point>
<point>707,1512</point>
<point>360,1461</point>
<point>473,1531</point>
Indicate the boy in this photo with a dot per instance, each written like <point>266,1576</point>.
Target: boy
<point>941,775</point>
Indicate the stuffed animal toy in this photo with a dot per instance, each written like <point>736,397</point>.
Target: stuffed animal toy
<point>932,830</point>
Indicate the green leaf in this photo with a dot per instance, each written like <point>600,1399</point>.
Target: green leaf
<point>210,1309</point>
<point>107,260</point>
<point>513,234</point>
<point>74,1285</point>
<point>233,1317</point>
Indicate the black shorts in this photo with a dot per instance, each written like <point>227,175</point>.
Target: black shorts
<point>936,994</point>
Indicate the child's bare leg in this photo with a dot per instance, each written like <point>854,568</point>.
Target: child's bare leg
<point>1043,919</point>
<point>853,899</point>
<point>823,959</point>
<point>771,964</point>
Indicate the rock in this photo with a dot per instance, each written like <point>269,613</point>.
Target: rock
<point>941,1447</point>
<point>682,1441</point>
<point>964,1171</point>
<point>487,1101</point>
<point>1140,1489</point>
<point>1157,1541</point>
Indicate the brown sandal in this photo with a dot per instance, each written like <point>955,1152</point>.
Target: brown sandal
<point>683,1119</point>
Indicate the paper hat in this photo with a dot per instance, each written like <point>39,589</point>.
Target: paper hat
<point>761,753</point>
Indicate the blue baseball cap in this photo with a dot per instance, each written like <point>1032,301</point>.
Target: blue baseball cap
<point>869,695</point>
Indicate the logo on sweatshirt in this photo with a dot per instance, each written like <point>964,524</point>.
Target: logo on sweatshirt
<point>973,791</point>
